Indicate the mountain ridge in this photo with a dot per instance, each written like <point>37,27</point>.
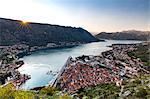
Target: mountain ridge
<point>125,35</point>
<point>39,34</point>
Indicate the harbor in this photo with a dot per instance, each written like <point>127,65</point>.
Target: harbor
<point>53,60</point>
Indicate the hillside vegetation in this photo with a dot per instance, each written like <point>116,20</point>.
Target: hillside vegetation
<point>9,92</point>
<point>16,32</point>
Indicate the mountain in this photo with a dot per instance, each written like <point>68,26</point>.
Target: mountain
<point>125,35</point>
<point>39,34</point>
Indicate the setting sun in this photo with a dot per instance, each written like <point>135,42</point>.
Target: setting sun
<point>24,22</point>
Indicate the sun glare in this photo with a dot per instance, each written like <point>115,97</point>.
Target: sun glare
<point>24,22</point>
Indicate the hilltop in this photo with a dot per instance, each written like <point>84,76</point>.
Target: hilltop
<point>125,35</point>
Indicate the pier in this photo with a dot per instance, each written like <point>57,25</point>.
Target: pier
<point>54,82</point>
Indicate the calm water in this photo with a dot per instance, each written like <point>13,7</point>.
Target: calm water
<point>40,62</point>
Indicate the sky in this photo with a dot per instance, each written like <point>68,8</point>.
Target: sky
<point>93,15</point>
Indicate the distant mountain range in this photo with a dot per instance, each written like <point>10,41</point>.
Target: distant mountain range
<point>125,35</point>
<point>38,34</point>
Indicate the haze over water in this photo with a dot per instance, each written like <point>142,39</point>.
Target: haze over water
<point>40,62</point>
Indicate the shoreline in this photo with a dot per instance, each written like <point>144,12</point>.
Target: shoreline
<point>20,50</point>
<point>9,70</point>
<point>21,55</point>
<point>53,48</point>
